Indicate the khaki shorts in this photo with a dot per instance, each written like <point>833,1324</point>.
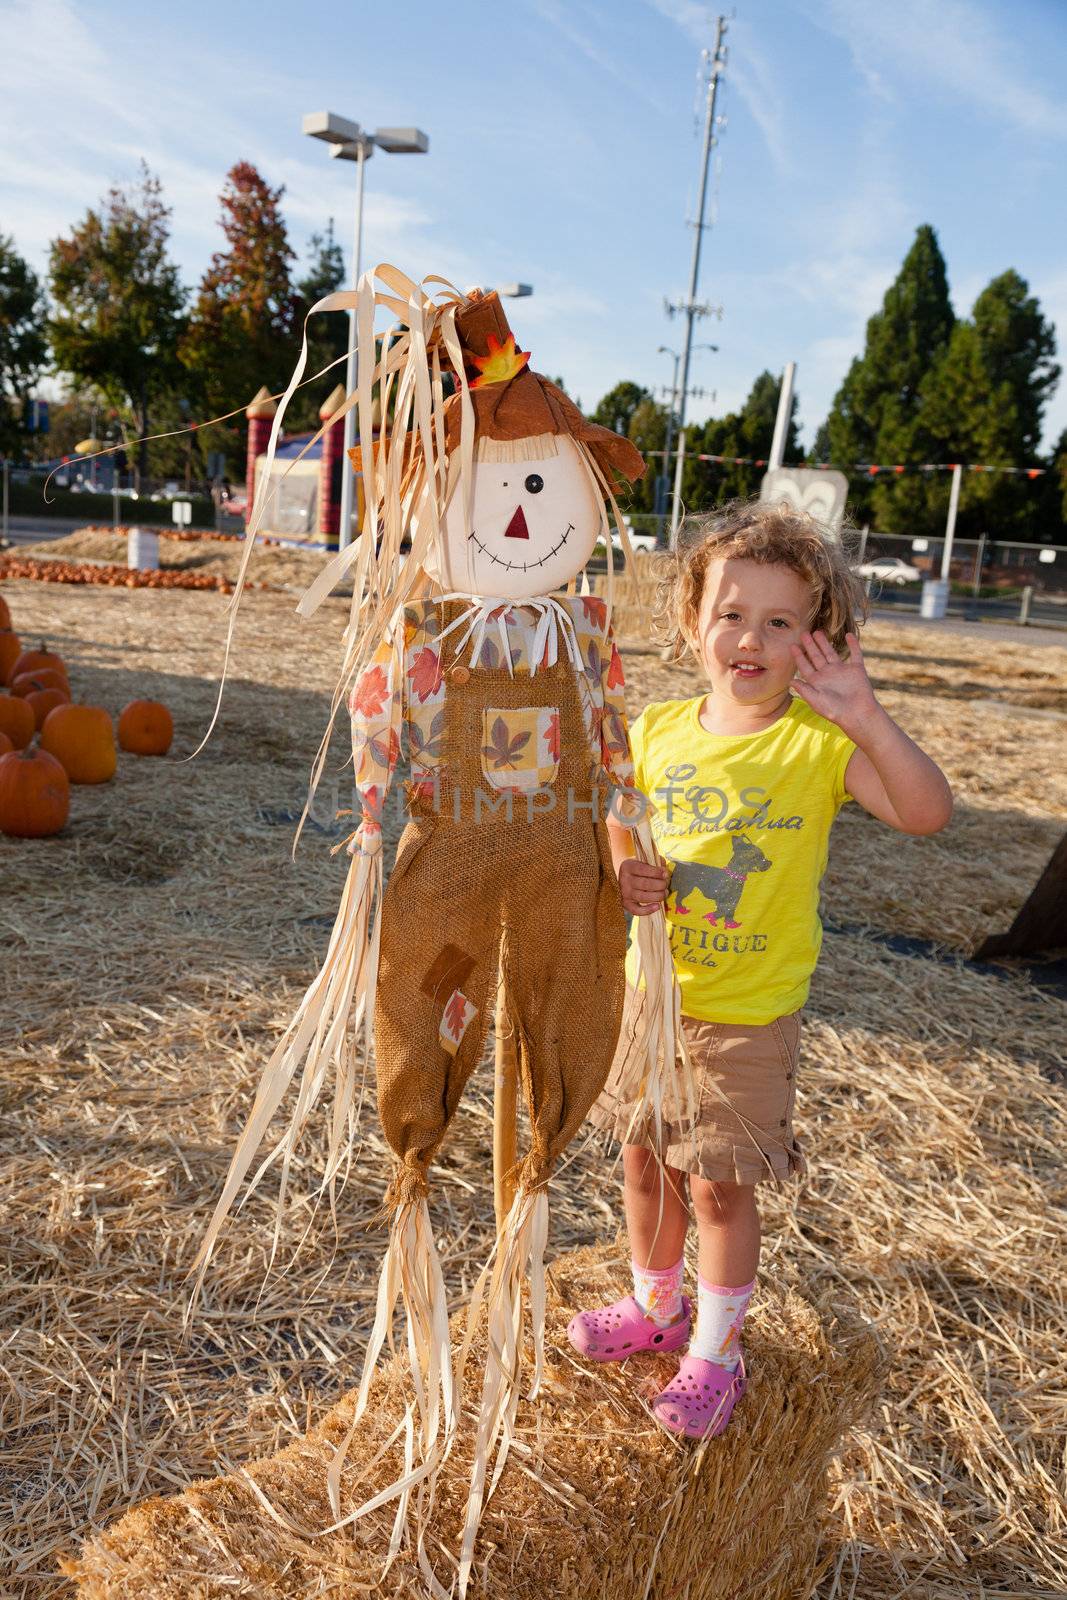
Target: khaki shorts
<point>746,1077</point>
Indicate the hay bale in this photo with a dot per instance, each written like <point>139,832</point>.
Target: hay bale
<point>633,594</point>
<point>596,1502</point>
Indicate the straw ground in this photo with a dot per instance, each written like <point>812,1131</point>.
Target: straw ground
<point>154,951</point>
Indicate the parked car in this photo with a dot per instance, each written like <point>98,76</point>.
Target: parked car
<point>638,541</point>
<point>889,569</point>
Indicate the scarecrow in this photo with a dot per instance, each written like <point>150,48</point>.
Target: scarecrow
<point>485,494</point>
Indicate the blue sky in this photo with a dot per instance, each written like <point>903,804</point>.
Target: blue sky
<point>565,152</point>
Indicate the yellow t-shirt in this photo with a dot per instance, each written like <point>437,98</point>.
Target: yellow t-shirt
<point>746,821</point>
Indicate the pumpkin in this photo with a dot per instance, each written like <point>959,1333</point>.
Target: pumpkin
<point>82,740</point>
<point>43,678</point>
<point>146,728</point>
<point>5,745</point>
<point>16,720</point>
<point>5,613</point>
<point>34,794</point>
<point>10,651</point>
<point>42,701</point>
<point>30,660</point>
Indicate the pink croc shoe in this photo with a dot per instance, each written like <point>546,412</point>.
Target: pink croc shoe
<point>699,1401</point>
<point>614,1333</point>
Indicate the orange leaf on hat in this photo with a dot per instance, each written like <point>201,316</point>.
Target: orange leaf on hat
<point>502,363</point>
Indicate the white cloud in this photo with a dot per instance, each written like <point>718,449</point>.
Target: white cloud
<point>749,72</point>
<point>952,46</point>
<point>563,19</point>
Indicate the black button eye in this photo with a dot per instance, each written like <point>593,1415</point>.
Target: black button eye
<point>534,483</point>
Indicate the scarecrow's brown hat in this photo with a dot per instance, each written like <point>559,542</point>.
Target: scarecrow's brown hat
<point>511,402</point>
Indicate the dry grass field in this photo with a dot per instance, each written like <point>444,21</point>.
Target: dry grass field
<point>153,952</point>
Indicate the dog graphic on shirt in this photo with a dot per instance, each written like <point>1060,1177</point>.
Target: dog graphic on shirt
<point>722,886</point>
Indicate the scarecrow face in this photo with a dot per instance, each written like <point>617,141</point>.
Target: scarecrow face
<point>533,527</point>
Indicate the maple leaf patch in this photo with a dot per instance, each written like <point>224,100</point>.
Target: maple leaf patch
<point>504,748</point>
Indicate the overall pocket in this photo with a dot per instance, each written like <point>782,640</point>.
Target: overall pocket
<point>520,746</point>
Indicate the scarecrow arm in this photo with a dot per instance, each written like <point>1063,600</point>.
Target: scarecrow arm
<point>376,704</point>
<point>614,732</point>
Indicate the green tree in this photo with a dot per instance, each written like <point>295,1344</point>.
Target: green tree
<point>648,430</point>
<point>983,403</point>
<point>616,409</point>
<point>244,329</point>
<point>23,347</point>
<point>747,433</point>
<point>75,416</point>
<point>877,414</point>
<point>119,305</point>
<point>327,332</point>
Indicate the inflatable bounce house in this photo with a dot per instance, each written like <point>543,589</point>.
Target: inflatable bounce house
<point>305,505</point>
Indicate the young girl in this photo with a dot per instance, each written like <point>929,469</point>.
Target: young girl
<point>746,781</point>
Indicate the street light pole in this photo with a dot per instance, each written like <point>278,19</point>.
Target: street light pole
<point>348,477</point>
<point>350,142</point>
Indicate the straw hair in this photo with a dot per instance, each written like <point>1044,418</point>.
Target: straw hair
<point>770,534</point>
<point>538,448</point>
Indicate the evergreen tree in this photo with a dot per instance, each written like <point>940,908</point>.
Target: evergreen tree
<point>648,430</point>
<point>616,409</point>
<point>747,433</point>
<point>119,304</point>
<point>327,331</point>
<point>820,450</point>
<point>983,403</point>
<point>23,346</point>
<point>877,414</point>
<point>244,330</point>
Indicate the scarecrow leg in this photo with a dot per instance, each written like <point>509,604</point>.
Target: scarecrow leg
<point>505,1098</point>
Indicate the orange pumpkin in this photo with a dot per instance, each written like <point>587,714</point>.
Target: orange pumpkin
<point>10,651</point>
<point>34,794</point>
<point>42,701</point>
<point>146,728</point>
<point>30,660</point>
<point>5,613</point>
<point>82,740</point>
<point>16,720</point>
<point>6,745</point>
<point>43,678</point>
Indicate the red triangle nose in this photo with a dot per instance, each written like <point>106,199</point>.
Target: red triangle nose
<point>516,528</point>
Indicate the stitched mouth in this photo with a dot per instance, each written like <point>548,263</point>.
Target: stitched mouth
<point>521,566</point>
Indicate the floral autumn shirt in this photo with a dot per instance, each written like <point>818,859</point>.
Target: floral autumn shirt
<point>405,685</point>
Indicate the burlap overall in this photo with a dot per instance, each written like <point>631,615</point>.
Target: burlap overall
<point>472,892</point>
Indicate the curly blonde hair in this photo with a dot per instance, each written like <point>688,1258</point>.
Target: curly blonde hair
<point>772,534</point>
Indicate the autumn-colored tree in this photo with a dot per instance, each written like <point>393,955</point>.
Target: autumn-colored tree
<point>119,305</point>
<point>23,347</point>
<point>244,326</point>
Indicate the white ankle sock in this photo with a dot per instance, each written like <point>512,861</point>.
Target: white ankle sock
<point>659,1294</point>
<point>720,1314</point>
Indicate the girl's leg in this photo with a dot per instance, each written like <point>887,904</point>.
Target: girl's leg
<point>656,1317</point>
<point>728,1232</point>
<point>657,1216</point>
<point>657,1213</point>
